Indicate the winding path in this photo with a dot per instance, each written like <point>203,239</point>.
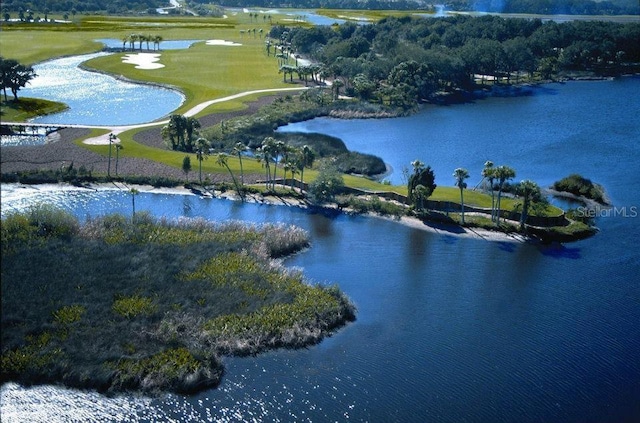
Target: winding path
<point>104,139</point>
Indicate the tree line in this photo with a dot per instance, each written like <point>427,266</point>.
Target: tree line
<point>421,184</point>
<point>549,7</point>
<point>132,39</point>
<point>405,61</point>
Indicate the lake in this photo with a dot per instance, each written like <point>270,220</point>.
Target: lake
<point>448,329</point>
<point>97,99</point>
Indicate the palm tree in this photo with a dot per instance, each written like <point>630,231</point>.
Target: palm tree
<point>529,190</point>
<point>461,174</point>
<point>502,174</point>
<point>112,139</point>
<point>238,149</point>
<point>191,127</point>
<point>222,161</point>
<point>278,149</point>
<point>417,166</point>
<point>133,192</point>
<point>132,41</point>
<point>306,161</point>
<point>202,152</point>
<point>118,148</point>
<point>268,151</point>
<point>488,173</point>
<point>156,41</point>
<point>186,166</point>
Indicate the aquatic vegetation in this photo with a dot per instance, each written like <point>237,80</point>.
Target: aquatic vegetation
<point>149,304</point>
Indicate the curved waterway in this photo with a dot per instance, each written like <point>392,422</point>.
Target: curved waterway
<point>95,98</point>
<point>448,329</point>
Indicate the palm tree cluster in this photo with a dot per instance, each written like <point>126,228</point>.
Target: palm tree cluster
<point>294,160</point>
<point>500,175</point>
<point>132,39</point>
<point>180,133</point>
<point>421,185</point>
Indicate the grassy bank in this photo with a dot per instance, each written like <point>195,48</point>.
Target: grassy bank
<point>115,304</point>
<point>26,108</point>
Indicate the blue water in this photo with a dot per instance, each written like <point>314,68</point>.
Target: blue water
<point>164,45</point>
<point>449,329</point>
<point>97,99</point>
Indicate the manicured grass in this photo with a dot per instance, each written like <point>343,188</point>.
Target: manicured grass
<point>26,108</point>
<point>221,70</point>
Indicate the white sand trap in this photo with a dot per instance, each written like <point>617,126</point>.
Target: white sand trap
<point>144,60</point>
<point>222,43</point>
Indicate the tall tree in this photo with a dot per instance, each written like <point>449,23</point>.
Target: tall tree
<point>202,151</point>
<point>222,160</point>
<point>488,174</point>
<point>14,76</point>
<point>421,176</point>
<point>529,191</point>
<point>118,148</point>
<point>502,174</point>
<point>133,193</point>
<point>112,139</point>
<point>238,149</point>
<point>306,160</point>
<point>268,151</point>
<point>460,175</point>
<point>186,166</point>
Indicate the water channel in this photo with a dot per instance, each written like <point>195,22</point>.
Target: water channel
<point>97,99</point>
<point>449,329</point>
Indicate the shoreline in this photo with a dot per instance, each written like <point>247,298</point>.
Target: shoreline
<point>408,221</point>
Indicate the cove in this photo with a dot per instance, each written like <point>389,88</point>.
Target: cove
<point>97,99</point>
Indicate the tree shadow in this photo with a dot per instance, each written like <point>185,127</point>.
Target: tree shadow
<point>560,251</point>
<point>444,227</point>
<point>509,247</point>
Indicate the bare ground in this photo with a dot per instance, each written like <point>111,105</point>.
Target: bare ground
<point>62,151</point>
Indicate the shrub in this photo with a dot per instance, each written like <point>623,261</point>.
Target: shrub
<point>580,186</point>
<point>328,183</point>
<point>133,306</point>
<point>68,314</point>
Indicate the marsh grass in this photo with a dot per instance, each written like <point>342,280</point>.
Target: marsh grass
<point>115,304</point>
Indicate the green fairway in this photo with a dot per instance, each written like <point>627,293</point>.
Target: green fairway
<point>202,72</point>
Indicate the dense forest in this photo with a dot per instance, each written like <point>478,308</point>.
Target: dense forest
<point>548,7</point>
<point>404,61</point>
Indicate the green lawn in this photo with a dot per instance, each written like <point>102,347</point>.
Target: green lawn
<point>221,70</point>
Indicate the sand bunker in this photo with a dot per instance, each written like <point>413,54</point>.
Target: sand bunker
<point>222,43</point>
<point>144,60</point>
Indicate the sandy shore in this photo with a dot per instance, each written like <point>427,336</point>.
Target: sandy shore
<point>16,191</point>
